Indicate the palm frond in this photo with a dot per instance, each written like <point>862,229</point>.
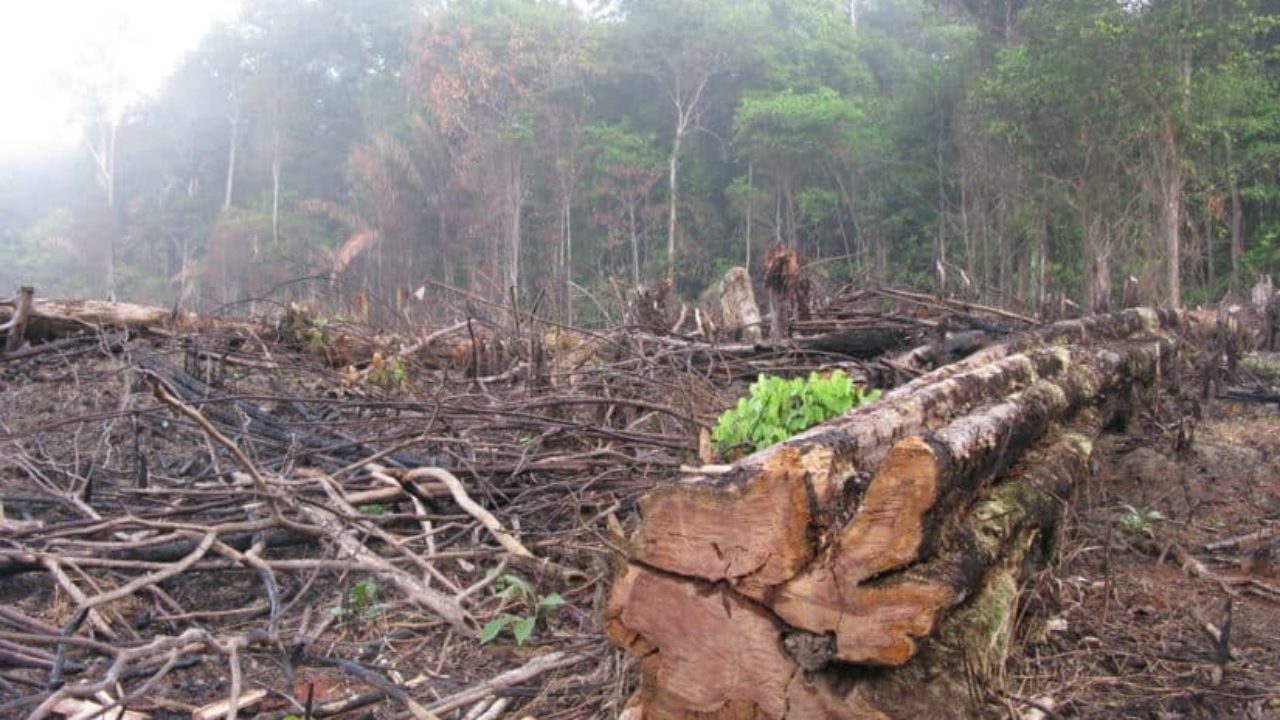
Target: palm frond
<point>336,212</point>
<point>351,249</point>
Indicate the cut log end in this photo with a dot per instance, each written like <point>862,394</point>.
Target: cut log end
<point>756,594</point>
<point>758,529</point>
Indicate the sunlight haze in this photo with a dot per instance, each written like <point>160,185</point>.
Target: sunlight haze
<point>48,49</point>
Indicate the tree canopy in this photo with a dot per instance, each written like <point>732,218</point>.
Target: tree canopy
<point>1007,150</point>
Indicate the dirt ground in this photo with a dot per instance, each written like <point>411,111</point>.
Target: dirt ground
<point>1127,625</point>
<point>1131,622</point>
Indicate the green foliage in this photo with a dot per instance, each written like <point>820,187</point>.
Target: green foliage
<point>790,125</point>
<point>388,374</point>
<point>778,408</point>
<point>465,140</point>
<point>515,589</point>
<point>315,334</point>
<point>360,601</point>
<point>1138,521</point>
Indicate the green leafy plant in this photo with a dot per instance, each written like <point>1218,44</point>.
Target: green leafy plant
<point>315,332</point>
<point>388,374</point>
<point>1138,521</point>
<point>514,588</point>
<point>777,408</point>
<point>360,601</point>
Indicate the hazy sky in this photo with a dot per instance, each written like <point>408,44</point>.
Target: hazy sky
<point>49,47</point>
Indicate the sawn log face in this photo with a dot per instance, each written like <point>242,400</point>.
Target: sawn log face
<point>751,595</point>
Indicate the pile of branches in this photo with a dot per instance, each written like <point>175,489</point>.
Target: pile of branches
<point>186,503</point>
<point>322,517</point>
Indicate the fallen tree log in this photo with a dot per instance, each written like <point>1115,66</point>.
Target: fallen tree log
<point>1010,532</point>
<point>936,354</point>
<point>758,522</point>
<point>50,319</point>
<point>785,568</point>
<point>708,652</point>
<point>863,343</point>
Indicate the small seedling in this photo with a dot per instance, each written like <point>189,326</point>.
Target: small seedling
<point>315,332</point>
<point>387,374</point>
<point>514,588</point>
<point>360,601</point>
<point>1138,521</point>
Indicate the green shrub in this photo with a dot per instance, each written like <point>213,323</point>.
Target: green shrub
<point>778,408</point>
<point>517,589</point>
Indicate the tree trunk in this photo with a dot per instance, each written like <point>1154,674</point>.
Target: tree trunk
<point>515,201</point>
<point>49,319</point>
<point>1097,269</point>
<point>1009,534</point>
<point>1237,218</point>
<point>16,326</point>
<point>751,181</point>
<point>1171,218</point>
<point>754,595</point>
<point>699,528</point>
<point>940,249</point>
<point>234,120</point>
<point>276,170</point>
<point>568,260</point>
<point>738,305</point>
<point>922,481</point>
<point>673,192</point>
<point>104,159</point>
<point>635,244</point>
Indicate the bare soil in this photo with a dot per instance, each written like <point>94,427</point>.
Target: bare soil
<point>1121,626</point>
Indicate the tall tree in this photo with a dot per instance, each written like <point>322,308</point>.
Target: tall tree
<point>683,47</point>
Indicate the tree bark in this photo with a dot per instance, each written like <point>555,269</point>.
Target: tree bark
<point>234,120</point>
<point>751,181</point>
<point>1171,216</point>
<point>738,305</point>
<point>50,319</point>
<point>1237,218</point>
<point>673,192</point>
<point>752,595</point>
<point>922,482</point>
<point>104,159</point>
<point>1010,532</point>
<point>754,524</point>
<point>277,168</point>
<point>635,244</point>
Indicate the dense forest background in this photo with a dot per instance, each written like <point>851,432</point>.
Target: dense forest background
<point>1007,150</point>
